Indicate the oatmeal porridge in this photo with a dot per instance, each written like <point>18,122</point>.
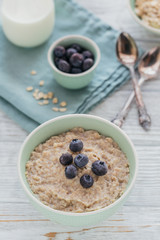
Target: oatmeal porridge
<point>81,179</point>
<point>149,11</point>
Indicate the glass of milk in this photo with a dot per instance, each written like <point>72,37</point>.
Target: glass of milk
<point>27,23</point>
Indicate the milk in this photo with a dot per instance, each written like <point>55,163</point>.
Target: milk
<point>27,23</point>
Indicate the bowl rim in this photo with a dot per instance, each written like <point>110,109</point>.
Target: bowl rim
<point>138,20</point>
<point>37,201</point>
<point>73,36</point>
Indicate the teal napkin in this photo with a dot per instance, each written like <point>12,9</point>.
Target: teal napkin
<point>16,64</point>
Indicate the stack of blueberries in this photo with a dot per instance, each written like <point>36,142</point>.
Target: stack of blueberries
<point>99,168</point>
<point>73,59</point>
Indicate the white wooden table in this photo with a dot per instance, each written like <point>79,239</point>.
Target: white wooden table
<point>139,218</point>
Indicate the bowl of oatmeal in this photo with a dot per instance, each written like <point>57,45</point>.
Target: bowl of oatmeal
<point>146,13</point>
<point>77,170</point>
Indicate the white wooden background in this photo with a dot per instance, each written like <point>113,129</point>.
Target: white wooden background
<point>139,218</point>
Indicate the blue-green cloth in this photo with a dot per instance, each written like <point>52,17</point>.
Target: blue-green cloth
<point>16,64</point>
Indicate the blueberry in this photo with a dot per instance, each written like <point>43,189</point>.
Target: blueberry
<point>99,168</point>
<point>81,160</point>
<point>88,63</point>
<point>77,47</point>
<point>64,66</point>
<point>76,145</point>
<point>76,70</point>
<point>70,51</point>
<point>66,159</point>
<point>59,51</point>
<point>56,61</point>
<point>86,181</point>
<point>70,171</point>
<point>87,54</point>
<point>76,60</point>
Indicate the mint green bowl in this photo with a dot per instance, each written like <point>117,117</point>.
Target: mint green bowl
<point>131,6</point>
<point>74,81</point>
<point>62,124</point>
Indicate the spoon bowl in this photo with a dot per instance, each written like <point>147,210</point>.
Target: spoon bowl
<point>126,49</point>
<point>150,63</point>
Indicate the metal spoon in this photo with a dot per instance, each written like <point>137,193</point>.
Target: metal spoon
<point>148,68</point>
<point>127,54</point>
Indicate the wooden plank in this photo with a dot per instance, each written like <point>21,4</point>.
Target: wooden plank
<point>145,223</point>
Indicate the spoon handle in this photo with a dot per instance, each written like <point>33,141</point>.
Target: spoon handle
<point>121,116</point>
<point>144,118</point>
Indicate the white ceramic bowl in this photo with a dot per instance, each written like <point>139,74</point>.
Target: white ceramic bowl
<point>63,124</point>
<point>131,7</point>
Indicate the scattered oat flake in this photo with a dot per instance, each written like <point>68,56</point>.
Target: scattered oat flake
<point>45,102</point>
<point>41,103</point>
<point>55,109</point>
<point>45,96</point>
<point>35,94</point>
<point>55,100</point>
<point>63,104</point>
<point>37,97</point>
<point>50,95</point>
<point>62,109</point>
<point>40,95</point>
<point>41,83</point>
<point>33,72</point>
<point>29,89</point>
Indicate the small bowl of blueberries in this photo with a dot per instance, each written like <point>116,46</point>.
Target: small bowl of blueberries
<point>73,60</point>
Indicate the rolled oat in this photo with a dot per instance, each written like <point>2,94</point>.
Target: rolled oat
<point>149,12</point>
